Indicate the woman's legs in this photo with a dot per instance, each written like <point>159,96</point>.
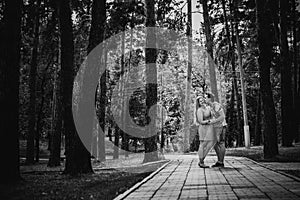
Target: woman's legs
<point>209,146</point>
<point>204,147</point>
<point>201,151</point>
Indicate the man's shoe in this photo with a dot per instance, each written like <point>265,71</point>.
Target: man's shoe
<point>202,165</point>
<point>218,165</point>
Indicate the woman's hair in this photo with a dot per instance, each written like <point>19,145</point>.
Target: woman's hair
<point>198,105</point>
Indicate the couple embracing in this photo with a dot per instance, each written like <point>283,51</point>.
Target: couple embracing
<point>211,119</point>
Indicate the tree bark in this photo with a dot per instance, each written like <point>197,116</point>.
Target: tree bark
<point>230,118</point>
<point>187,125</point>
<point>77,156</point>
<point>39,117</point>
<point>258,135</point>
<point>97,36</point>
<point>234,25</point>
<point>150,143</point>
<point>32,87</point>
<point>97,32</point>
<point>116,142</point>
<point>125,140</point>
<point>55,143</point>
<point>296,96</point>
<point>286,79</point>
<point>101,117</point>
<point>10,40</point>
<point>263,13</point>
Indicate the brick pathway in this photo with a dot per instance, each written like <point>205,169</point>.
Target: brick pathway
<point>240,179</point>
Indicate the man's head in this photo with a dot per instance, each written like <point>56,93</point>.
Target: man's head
<point>210,98</point>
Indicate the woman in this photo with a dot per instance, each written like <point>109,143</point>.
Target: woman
<point>206,132</point>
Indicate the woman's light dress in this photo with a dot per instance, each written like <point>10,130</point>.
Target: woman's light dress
<point>206,132</point>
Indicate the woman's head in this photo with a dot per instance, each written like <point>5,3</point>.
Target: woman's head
<point>199,102</point>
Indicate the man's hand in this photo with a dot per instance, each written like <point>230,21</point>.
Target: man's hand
<point>212,121</point>
<point>206,122</point>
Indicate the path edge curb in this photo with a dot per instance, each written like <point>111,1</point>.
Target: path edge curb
<point>137,185</point>
<point>272,169</point>
<point>124,167</point>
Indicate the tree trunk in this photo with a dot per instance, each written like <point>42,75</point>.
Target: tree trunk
<point>286,79</point>
<point>231,118</point>
<point>32,87</point>
<point>187,125</point>
<point>150,143</point>
<point>296,78</point>
<point>296,61</point>
<point>55,136</point>
<point>109,133</point>
<point>125,140</point>
<point>97,36</point>
<point>101,117</point>
<point>258,135</point>
<point>10,40</point>
<point>210,52</point>
<point>77,156</point>
<point>238,100</point>
<point>116,142</point>
<point>263,16</point>
<point>40,115</point>
<point>39,119</point>
<point>298,97</point>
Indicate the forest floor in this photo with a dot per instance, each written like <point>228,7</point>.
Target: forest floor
<point>110,178</point>
<point>41,182</point>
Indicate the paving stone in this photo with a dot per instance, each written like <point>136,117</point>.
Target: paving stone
<point>240,179</point>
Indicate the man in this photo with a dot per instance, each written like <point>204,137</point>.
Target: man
<point>219,124</point>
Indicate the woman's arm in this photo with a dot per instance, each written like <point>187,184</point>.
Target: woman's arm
<point>200,117</point>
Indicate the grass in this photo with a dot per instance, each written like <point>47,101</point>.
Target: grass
<point>40,182</point>
<point>292,172</point>
<point>286,155</point>
<point>111,177</point>
<point>53,185</point>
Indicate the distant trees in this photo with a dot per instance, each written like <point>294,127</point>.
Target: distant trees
<point>284,67</point>
<point>233,110</point>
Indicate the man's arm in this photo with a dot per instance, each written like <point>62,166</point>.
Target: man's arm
<point>218,108</point>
